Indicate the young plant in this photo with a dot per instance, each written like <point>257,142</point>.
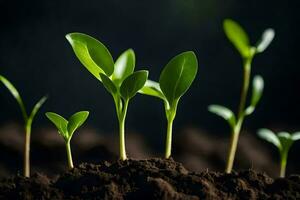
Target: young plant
<point>28,118</point>
<point>118,78</point>
<point>240,40</point>
<point>66,128</point>
<point>283,141</point>
<point>174,81</point>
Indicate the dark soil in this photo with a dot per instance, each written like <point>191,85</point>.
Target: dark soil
<point>149,179</point>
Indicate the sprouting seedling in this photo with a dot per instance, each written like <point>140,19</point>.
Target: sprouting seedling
<point>28,118</point>
<point>283,141</point>
<point>66,128</point>
<point>174,81</point>
<point>118,78</point>
<point>240,40</point>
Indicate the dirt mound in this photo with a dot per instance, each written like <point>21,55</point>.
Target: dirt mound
<point>149,179</point>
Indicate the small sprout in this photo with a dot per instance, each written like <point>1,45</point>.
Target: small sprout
<point>239,38</point>
<point>118,78</point>
<point>28,118</point>
<point>174,81</point>
<point>67,128</point>
<point>283,141</point>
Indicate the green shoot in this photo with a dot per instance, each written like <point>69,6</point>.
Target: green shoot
<point>118,78</point>
<point>174,81</point>
<point>28,118</point>
<point>67,128</point>
<point>283,141</point>
<point>240,40</point>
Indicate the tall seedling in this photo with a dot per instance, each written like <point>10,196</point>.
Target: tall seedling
<point>118,78</point>
<point>174,81</point>
<point>240,40</point>
<point>28,118</point>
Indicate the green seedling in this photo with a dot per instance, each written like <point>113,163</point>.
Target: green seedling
<point>240,40</point>
<point>174,81</point>
<point>283,141</point>
<point>118,78</point>
<point>66,128</point>
<point>28,118</point>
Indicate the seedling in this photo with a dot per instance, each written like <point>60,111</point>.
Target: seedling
<point>174,81</point>
<point>283,141</point>
<point>28,118</point>
<point>118,78</point>
<point>66,128</point>
<point>240,40</point>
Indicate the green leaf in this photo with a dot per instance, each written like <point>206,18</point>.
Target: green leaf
<point>124,66</point>
<point>237,36</point>
<point>152,88</point>
<point>178,75</point>
<point>133,83</point>
<point>36,108</point>
<point>108,84</point>
<point>266,39</point>
<point>223,112</point>
<point>92,54</point>
<point>257,90</point>
<point>15,94</point>
<point>76,121</point>
<point>60,122</point>
<point>296,136</point>
<point>269,136</point>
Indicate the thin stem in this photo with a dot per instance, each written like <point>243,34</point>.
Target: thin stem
<point>69,155</point>
<point>241,115</point>
<point>232,149</point>
<point>170,114</point>
<point>283,161</point>
<point>169,139</point>
<point>122,131</point>
<point>27,150</point>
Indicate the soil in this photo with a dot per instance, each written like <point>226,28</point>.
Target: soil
<point>149,179</point>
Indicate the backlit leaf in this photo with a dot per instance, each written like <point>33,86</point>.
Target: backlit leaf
<point>269,136</point>
<point>133,83</point>
<point>238,37</point>
<point>92,54</point>
<point>178,75</point>
<point>124,66</point>
<point>223,112</point>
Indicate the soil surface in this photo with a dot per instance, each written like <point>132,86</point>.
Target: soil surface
<point>149,179</point>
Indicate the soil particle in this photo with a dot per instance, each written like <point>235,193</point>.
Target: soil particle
<point>149,179</point>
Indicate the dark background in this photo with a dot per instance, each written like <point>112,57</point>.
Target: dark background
<point>36,57</point>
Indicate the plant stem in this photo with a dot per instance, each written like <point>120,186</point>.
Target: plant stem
<point>69,155</point>
<point>121,118</point>
<point>283,161</point>
<point>169,139</point>
<point>170,111</point>
<point>27,150</point>
<point>241,115</point>
<point>232,149</point>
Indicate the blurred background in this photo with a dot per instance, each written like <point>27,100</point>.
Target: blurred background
<point>35,56</point>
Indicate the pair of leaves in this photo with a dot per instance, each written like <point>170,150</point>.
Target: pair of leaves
<point>27,118</point>
<point>175,79</point>
<point>239,38</point>
<point>66,128</point>
<point>129,87</point>
<point>116,77</point>
<point>228,115</point>
<point>283,140</point>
